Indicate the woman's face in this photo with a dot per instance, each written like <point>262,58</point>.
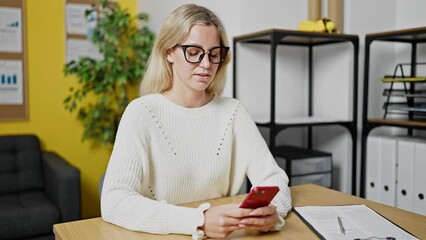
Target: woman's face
<point>193,77</point>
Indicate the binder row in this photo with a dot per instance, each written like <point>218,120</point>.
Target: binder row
<point>395,172</point>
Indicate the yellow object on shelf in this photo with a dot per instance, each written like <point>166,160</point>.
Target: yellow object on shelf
<point>405,79</point>
<point>320,25</point>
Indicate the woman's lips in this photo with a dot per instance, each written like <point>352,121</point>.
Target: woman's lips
<point>203,74</point>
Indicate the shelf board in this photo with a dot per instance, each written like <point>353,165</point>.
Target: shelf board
<point>294,37</point>
<point>405,35</point>
<point>300,121</point>
<point>398,122</point>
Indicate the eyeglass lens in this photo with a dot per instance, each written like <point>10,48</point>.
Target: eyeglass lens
<point>194,54</point>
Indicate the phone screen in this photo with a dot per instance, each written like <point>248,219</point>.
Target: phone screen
<point>259,196</point>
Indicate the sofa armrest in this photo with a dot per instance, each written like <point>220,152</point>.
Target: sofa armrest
<point>62,185</point>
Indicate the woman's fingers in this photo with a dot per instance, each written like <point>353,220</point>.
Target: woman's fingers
<point>222,220</point>
<point>260,223</point>
<point>263,211</point>
<point>261,219</point>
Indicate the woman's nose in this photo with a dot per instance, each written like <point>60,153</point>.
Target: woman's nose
<point>205,62</point>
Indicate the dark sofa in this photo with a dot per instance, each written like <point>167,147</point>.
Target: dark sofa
<point>37,189</point>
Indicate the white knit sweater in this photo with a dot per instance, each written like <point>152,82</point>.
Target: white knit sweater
<point>165,155</point>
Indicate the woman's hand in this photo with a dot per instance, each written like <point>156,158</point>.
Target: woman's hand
<point>222,220</point>
<point>262,219</point>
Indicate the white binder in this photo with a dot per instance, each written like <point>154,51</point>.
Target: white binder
<point>387,166</point>
<point>373,157</point>
<point>405,174</point>
<point>419,205</point>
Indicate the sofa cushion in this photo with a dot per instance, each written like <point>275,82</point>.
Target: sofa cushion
<point>26,214</point>
<point>20,164</point>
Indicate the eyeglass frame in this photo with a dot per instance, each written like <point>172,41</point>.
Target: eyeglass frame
<point>184,47</point>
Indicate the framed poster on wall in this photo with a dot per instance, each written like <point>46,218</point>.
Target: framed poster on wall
<point>78,29</point>
<point>13,63</point>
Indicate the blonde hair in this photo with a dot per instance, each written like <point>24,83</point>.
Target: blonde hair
<point>158,76</point>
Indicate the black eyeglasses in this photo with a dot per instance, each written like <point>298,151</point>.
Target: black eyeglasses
<point>195,54</point>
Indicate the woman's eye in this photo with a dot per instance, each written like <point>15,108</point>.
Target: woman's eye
<point>193,51</point>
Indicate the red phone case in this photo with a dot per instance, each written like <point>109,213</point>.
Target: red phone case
<point>259,196</point>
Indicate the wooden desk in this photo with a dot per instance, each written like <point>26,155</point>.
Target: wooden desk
<point>309,194</point>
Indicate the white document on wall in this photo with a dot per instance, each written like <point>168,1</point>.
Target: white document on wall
<point>76,20</point>
<point>77,48</point>
<point>10,30</point>
<point>11,82</point>
<point>358,221</point>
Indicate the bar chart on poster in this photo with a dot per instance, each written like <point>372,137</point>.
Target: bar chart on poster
<point>11,84</point>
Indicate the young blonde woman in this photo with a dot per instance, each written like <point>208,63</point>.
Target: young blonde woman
<point>182,142</point>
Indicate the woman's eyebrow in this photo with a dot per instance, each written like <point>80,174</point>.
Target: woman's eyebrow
<point>199,45</point>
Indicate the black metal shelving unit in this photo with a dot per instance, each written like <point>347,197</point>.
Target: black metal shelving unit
<point>277,37</point>
<point>413,37</point>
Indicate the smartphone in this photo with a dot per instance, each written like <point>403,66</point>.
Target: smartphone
<point>259,196</point>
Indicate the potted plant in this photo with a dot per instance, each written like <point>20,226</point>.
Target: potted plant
<point>103,85</point>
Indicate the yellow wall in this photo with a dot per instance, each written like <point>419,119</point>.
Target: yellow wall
<point>57,129</point>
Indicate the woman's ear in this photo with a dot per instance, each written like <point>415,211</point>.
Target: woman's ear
<point>170,55</point>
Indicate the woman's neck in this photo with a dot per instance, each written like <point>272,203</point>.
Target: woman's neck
<point>191,100</point>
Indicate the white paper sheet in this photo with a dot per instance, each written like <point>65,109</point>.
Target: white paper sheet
<point>359,221</point>
<point>10,30</point>
<point>77,22</point>
<point>82,48</point>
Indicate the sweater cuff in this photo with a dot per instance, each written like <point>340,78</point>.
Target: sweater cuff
<point>280,224</point>
<point>202,208</point>
<point>198,234</point>
<point>189,219</point>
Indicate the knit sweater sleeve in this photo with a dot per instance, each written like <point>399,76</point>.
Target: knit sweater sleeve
<point>262,169</point>
<point>122,202</point>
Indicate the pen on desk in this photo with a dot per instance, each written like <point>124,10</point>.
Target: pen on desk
<point>342,229</point>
